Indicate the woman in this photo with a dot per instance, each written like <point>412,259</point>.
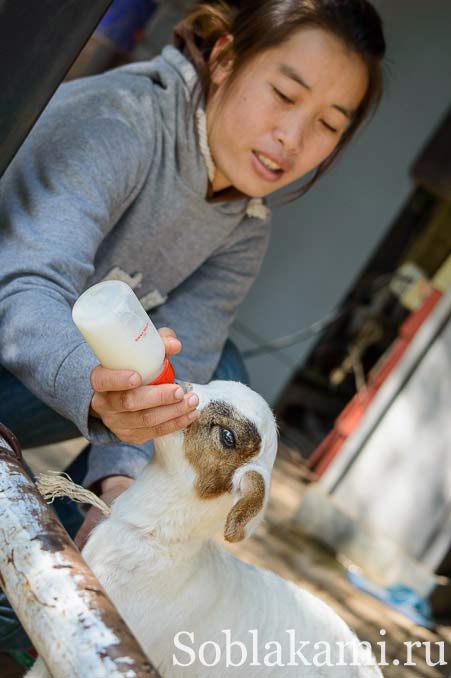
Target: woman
<point>154,173</point>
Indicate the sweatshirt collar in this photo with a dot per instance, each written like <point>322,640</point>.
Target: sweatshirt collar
<point>255,207</point>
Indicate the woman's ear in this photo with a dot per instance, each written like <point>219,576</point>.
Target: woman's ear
<point>251,490</point>
<point>221,60</point>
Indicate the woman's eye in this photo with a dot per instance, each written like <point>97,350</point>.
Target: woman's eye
<point>283,97</point>
<point>329,127</point>
<point>227,438</point>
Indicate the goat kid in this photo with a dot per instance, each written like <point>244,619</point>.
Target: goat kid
<point>176,588</point>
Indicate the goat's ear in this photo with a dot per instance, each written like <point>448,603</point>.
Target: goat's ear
<point>251,489</point>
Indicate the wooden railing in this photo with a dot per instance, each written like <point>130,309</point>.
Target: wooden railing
<point>65,611</point>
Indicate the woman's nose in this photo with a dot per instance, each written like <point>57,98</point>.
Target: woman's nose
<point>290,134</point>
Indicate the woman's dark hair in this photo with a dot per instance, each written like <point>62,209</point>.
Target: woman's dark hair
<point>259,25</point>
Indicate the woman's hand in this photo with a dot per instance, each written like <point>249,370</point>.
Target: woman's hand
<point>135,413</point>
<point>110,487</point>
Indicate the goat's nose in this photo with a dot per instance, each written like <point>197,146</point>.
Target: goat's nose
<point>186,385</point>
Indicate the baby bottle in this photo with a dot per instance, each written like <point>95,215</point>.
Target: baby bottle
<point>115,325</point>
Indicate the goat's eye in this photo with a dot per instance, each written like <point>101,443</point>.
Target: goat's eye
<point>227,438</point>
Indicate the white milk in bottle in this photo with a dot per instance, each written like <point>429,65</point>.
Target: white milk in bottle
<point>114,323</point>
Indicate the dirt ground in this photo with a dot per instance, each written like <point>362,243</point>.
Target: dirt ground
<point>278,546</point>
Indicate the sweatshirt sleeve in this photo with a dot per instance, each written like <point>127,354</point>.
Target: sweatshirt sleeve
<point>76,173</point>
<point>202,310</point>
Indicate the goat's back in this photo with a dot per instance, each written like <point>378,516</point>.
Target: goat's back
<point>212,597</point>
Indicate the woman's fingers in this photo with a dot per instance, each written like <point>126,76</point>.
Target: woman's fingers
<point>154,416</point>
<point>139,436</point>
<point>104,380</point>
<point>172,345</point>
<point>166,332</point>
<point>137,413</point>
<point>144,397</point>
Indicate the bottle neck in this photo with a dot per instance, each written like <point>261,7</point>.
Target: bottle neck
<point>166,376</point>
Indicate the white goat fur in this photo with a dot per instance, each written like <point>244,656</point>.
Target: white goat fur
<point>157,560</point>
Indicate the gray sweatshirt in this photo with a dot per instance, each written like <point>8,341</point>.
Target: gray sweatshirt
<point>111,184</point>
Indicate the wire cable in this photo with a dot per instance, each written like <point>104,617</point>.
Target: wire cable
<point>315,328</point>
<point>295,337</point>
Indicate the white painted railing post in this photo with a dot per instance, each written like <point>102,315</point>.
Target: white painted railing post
<point>63,608</point>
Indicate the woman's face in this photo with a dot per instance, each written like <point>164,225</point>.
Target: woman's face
<point>285,113</point>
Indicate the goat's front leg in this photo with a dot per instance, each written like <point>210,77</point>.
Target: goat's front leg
<point>39,670</point>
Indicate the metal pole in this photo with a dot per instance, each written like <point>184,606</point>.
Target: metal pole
<point>38,43</point>
<point>60,603</point>
<point>114,39</point>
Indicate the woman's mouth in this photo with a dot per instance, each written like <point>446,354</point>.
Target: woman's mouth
<point>266,167</point>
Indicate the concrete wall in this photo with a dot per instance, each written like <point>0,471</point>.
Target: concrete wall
<point>320,243</point>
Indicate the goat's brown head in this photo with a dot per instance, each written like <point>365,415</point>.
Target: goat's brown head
<point>231,447</point>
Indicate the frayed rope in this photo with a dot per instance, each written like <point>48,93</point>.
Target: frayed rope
<point>55,484</point>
